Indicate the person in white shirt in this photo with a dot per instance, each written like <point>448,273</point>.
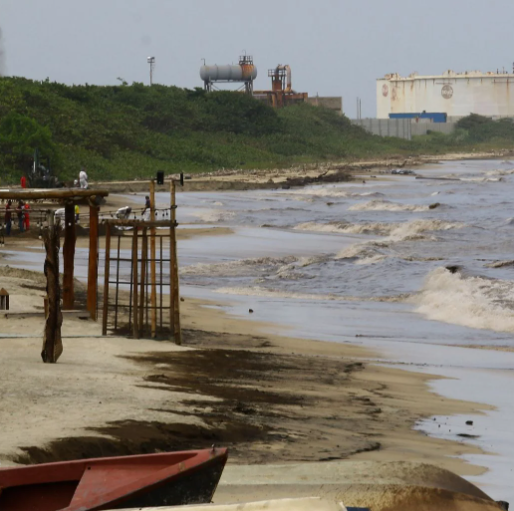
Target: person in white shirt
<point>83,179</point>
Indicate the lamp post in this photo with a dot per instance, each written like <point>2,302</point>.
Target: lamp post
<point>151,61</point>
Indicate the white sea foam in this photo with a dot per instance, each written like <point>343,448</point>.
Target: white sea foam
<point>474,302</point>
<point>384,205</point>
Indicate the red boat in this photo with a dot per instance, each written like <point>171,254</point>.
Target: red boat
<point>168,479</point>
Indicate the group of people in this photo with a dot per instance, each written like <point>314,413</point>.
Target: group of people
<point>22,213</point>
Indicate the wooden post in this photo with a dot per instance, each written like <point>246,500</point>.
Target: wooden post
<point>174,281</point>
<point>135,329</point>
<point>153,233</point>
<point>144,257</point>
<point>52,341</point>
<point>107,273</point>
<point>92,281</point>
<point>69,256</point>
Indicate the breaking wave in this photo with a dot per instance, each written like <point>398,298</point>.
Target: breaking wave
<point>474,302</point>
<point>396,231</point>
<point>332,192</point>
<point>384,205</point>
<point>212,216</point>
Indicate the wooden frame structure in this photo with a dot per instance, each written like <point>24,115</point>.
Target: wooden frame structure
<point>145,314</point>
<point>70,196</point>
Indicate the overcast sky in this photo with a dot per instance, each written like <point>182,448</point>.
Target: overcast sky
<point>335,47</point>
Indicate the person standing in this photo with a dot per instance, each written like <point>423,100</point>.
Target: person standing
<point>19,212</point>
<point>8,218</point>
<point>148,206</point>
<point>83,179</point>
<point>77,214</point>
<point>26,216</point>
<point>23,182</point>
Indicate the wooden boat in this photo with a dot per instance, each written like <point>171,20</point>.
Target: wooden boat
<point>167,479</point>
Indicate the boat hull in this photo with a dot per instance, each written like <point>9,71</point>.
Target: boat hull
<point>168,479</point>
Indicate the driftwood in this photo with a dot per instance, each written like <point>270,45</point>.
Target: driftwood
<point>52,342</point>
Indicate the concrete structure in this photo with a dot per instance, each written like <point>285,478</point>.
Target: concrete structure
<point>456,94</point>
<point>400,128</point>
<point>403,128</point>
<point>332,103</point>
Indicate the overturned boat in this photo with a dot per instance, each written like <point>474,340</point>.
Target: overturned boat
<point>153,480</point>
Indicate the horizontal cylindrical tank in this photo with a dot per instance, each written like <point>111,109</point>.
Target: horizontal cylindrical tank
<point>244,73</point>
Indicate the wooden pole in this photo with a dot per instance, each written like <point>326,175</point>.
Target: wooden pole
<point>135,329</point>
<point>174,280</point>
<point>144,257</point>
<point>52,341</point>
<point>107,272</point>
<point>92,280</point>
<point>69,256</point>
<point>153,233</point>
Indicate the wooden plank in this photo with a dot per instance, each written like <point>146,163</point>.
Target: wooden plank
<point>138,223</point>
<point>107,272</point>
<point>92,280</point>
<point>175,299</point>
<point>70,239</point>
<point>135,329</point>
<point>57,193</point>
<point>153,267</point>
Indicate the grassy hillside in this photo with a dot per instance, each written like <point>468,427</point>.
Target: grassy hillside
<point>127,132</point>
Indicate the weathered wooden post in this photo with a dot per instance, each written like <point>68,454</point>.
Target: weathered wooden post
<point>174,282</point>
<point>135,315</point>
<point>52,342</point>
<point>153,269</point>
<point>107,274</point>
<point>4,300</point>
<point>69,256</point>
<point>92,279</point>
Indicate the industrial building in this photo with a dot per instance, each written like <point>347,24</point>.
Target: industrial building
<point>445,97</point>
<point>281,93</point>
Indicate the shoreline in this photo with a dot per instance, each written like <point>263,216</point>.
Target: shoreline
<point>271,398</point>
<point>296,176</point>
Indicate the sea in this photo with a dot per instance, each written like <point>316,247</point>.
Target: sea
<point>417,267</point>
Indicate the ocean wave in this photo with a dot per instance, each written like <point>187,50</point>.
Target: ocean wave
<point>474,302</point>
<point>335,192</point>
<point>384,205</point>
<point>213,216</point>
<point>238,267</point>
<point>396,231</point>
<point>277,293</point>
<point>500,172</point>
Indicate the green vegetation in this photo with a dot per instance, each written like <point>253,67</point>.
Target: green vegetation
<point>128,132</point>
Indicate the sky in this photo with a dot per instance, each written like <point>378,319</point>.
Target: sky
<point>334,47</point>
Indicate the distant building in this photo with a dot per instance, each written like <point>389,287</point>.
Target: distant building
<point>450,95</point>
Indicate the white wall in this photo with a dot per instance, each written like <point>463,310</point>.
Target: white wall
<point>457,96</point>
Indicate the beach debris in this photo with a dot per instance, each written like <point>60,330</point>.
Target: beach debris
<point>250,311</point>
<point>503,505</point>
<point>467,435</point>
<point>469,423</point>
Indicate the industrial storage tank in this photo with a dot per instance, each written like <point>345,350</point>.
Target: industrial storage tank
<point>245,73</point>
<point>454,94</point>
<point>228,73</point>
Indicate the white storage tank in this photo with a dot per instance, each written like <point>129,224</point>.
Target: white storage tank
<point>455,94</point>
